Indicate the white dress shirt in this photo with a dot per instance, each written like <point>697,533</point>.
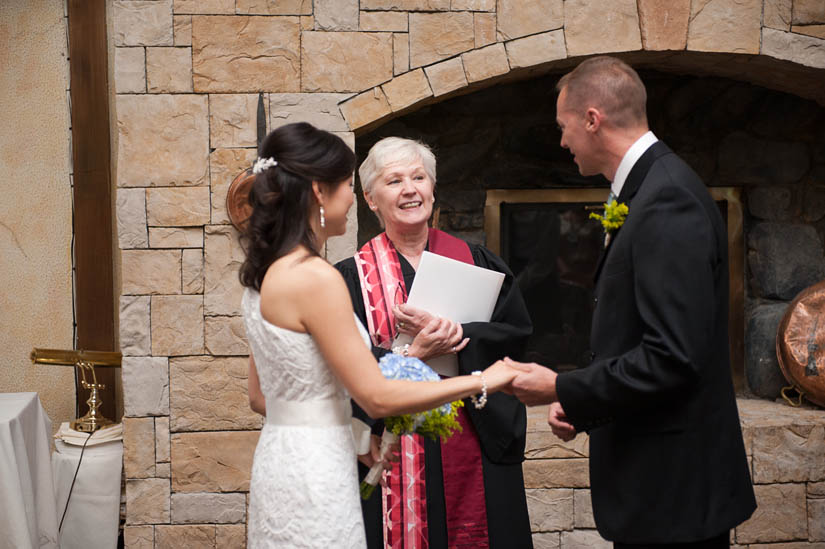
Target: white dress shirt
<point>629,159</point>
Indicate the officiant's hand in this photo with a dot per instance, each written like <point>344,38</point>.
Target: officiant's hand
<point>559,423</point>
<point>439,336</point>
<point>410,320</point>
<point>535,384</point>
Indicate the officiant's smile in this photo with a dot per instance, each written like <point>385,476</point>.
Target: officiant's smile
<point>402,196</point>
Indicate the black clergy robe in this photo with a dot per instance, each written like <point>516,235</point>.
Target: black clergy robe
<point>501,425</point>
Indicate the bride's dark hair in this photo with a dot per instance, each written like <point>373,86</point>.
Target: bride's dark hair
<point>281,197</point>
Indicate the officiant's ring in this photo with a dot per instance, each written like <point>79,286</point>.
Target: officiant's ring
<point>453,349</point>
<point>399,326</point>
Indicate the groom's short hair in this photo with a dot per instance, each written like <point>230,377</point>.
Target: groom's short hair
<point>610,85</point>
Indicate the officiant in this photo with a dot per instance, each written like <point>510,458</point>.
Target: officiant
<point>469,490</point>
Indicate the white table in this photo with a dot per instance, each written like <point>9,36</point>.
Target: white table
<point>29,516</point>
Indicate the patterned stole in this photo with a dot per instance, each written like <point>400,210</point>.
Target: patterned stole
<point>404,498</point>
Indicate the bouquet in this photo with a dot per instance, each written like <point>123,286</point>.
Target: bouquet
<point>437,423</point>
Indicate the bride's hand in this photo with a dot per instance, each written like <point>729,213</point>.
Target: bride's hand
<point>499,376</point>
<point>439,337</point>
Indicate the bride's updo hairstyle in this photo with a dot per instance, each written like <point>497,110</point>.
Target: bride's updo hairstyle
<point>281,197</point>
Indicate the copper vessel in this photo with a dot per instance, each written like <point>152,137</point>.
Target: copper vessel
<point>237,199</point>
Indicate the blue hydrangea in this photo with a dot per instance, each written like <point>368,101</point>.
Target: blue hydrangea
<point>396,366</point>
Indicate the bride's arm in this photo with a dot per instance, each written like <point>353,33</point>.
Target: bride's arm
<point>256,397</point>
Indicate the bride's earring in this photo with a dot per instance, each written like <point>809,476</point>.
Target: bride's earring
<point>323,220</point>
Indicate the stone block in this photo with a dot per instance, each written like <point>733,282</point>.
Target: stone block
<point>406,5</point>
<point>808,12</point>
<point>177,325</point>
<point>784,259</point>
<point>226,335</point>
<point>664,24</point>
<point>169,70</point>
<point>437,36</point>
<point>816,490</point>
<point>817,31</point>
<point>517,18</point>
<point>131,218</point>
<point>583,509</point>
<point>204,507</point>
<point>307,23</point>
<point>163,470</point>
<point>192,271</point>
<point>162,439</point>
<point>365,108</point>
<point>446,76</point>
<point>210,7</point>
<point>336,15</point>
<point>776,14</point>
<point>162,140</point>
<point>770,203</point>
<point>780,515</point>
<point>230,536</point>
<point>224,166</point>
<point>725,26</point>
<point>209,393</point>
<point>556,473</point>
<point>232,54</point>
<point>139,447</point>
<point>268,7</point>
<point>150,272</point>
<point>130,70</point>
<point>175,237</point>
<point>145,386</point>
<point>386,21</point>
<point>484,29</point>
<point>537,49</point>
<point>134,323</point>
<point>222,259</point>
<point>177,206</point>
<point>147,501</point>
<point>544,444</point>
<point>805,50</point>
<point>142,22</point>
<point>550,510</point>
<point>473,5</point>
<point>340,247</point>
<point>200,536</point>
<point>584,539</point>
<point>546,540</point>
<point>319,109</point>
<point>762,370</point>
<point>139,537</point>
<point>212,462</point>
<point>335,61</point>
<point>767,162</point>
<point>790,453</point>
<point>597,27</point>
<point>233,120</point>
<point>816,519</point>
<point>400,53</point>
<point>182,30</point>
<point>407,89</point>
<point>485,63</point>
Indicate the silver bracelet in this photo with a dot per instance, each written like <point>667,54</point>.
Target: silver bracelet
<point>480,402</point>
<point>402,350</point>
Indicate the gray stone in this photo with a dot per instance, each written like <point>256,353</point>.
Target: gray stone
<point>336,15</point>
<point>805,50</point>
<point>546,540</point>
<point>765,378</point>
<point>550,510</point>
<point>770,203</point>
<point>813,204</point>
<point>145,386</point>
<point>134,323</point>
<point>784,259</point>
<point>584,539</point>
<point>131,218</point>
<point>208,508</point>
<point>745,159</point>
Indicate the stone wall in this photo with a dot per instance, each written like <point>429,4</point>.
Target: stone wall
<point>187,75</point>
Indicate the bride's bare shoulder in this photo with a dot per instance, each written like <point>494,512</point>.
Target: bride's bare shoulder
<point>299,272</point>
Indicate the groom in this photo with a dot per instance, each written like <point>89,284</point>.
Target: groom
<point>667,461</point>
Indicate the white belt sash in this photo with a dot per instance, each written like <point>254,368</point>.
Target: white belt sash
<point>309,413</point>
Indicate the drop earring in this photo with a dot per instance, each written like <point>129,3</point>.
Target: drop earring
<point>323,220</point>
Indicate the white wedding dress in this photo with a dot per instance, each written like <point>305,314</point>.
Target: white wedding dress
<point>304,487</point>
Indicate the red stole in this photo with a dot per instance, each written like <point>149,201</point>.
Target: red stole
<point>404,498</point>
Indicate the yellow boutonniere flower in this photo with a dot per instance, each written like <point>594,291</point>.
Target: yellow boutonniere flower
<point>613,217</point>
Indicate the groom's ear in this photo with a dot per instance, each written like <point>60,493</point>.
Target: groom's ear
<point>592,119</point>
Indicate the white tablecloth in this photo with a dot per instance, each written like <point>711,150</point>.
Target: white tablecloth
<point>28,516</point>
<point>94,510</point>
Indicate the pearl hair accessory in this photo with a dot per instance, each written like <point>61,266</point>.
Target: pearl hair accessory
<point>480,402</point>
<point>262,164</point>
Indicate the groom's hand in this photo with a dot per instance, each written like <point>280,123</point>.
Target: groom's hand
<point>535,384</point>
<point>559,423</point>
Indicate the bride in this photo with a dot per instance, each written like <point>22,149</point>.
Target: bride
<point>309,353</point>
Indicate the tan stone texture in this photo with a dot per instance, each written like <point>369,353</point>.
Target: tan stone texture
<point>365,108</point>
<point>584,539</point>
<point>145,386</point>
<point>175,237</point>
<point>485,63</point>
<point>319,109</point>
<point>139,537</point>
<point>725,26</point>
<point>804,50</point>
<point>222,259</point>
<point>224,166</point>
<point>212,462</point>
<point>131,218</point>
<point>792,453</point>
<point>209,393</point>
<point>162,439</point>
<point>437,36</point>
<point>150,272</point>
<point>147,501</point>
<point>169,70</point>
<point>600,27</point>
<point>201,536</point>
<point>446,76</point>
<point>246,54</point>
<point>777,14</point>
<point>192,271</point>
<point>536,49</point>
<point>546,540</point>
<point>142,22</point>
<point>225,336</point>
<point>182,30</point>
<point>336,15</point>
<point>817,31</point>
<point>484,29</point>
<point>230,536</point>
<point>163,470</point>
<point>211,7</point>
<point>334,61</point>
<point>208,507</point>
<point>130,70</point>
<point>406,5</point>
<point>517,18</point>
<point>177,325</point>
<point>664,24</point>
<point>473,5</point>
<point>556,473</point>
<point>583,509</point>
<point>274,7</point>
<point>376,21</point>
<point>808,12</point>
<point>233,120</point>
<point>407,89</point>
<point>816,490</point>
<point>139,447</point>
<point>816,519</point>
<point>177,206</point>
<point>400,53</point>
<point>780,515</point>
<point>550,510</point>
<point>135,339</point>
<point>307,22</point>
<point>162,140</point>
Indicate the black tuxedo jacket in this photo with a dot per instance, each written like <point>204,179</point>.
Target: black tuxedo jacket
<point>667,460</point>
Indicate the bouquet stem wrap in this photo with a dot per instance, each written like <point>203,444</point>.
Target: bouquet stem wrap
<point>371,480</point>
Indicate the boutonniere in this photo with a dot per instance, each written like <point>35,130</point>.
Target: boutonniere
<point>613,217</point>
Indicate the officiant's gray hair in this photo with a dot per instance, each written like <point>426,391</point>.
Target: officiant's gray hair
<point>394,150</point>
<point>610,84</point>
